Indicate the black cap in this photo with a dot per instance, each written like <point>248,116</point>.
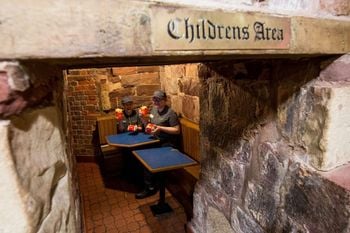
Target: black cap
<point>159,94</point>
<point>127,99</point>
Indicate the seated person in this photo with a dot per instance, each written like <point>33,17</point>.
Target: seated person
<point>130,115</point>
<point>167,128</point>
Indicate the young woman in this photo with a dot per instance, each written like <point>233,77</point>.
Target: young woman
<point>167,128</point>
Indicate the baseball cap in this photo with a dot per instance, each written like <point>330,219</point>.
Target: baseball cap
<point>127,99</point>
<point>159,94</point>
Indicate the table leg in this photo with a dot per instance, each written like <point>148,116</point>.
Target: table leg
<point>161,207</point>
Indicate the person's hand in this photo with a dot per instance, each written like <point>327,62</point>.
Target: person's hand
<point>144,119</point>
<point>156,130</point>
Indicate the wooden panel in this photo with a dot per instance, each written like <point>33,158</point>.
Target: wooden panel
<point>107,125</point>
<point>194,171</point>
<point>190,138</point>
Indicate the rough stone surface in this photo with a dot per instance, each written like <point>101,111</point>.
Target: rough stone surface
<point>263,124</point>
<point>125,29</point>
<point>235,102</point>
<point>232,178</point>
<point>116,71</point>
<point>134,80</point>
<point>37,164</point>
<point>189,83</point>
<point>315,203</point>
<point>146,90</point>
<point>317,120</point>
<point>336,7</point>
<point>339,70</point>
<point>170,81</point>
<point>176,102</point>
<point>182,85</point>
<point>18,78</point>
<point>217,223</point>
<point>339,175</point>
<point>13,215</point>
<point>16,95</point>
<point>262,205</point>
<point>242,222</point>
<point>198,223</point>
<point>190,107</point>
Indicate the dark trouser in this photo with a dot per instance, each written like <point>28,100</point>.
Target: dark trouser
<point>132,169</point>
<point>150,179</point>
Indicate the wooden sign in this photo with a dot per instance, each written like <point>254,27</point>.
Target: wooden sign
<point>179,29</point>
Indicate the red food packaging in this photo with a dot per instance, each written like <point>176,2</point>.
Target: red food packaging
<point>150,127</point>
<point>132,128</point>
<point>119,114</point>
<point>143,111</point>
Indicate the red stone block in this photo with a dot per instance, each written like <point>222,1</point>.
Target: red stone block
<point>340,176</point>
<point>149,69</point>
<point>124,70</point>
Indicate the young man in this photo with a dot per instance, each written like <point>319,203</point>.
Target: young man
<point>131,117</point>
<point>167,128</point>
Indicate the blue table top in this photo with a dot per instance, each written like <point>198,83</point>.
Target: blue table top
<point>163,159</point>
<point>131,139</point>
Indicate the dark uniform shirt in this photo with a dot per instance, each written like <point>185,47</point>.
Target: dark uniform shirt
<point>132,119</point>
<point>167,118</point>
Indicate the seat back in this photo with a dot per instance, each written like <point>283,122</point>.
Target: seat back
<point>190,138</point>
<point>106,125</point>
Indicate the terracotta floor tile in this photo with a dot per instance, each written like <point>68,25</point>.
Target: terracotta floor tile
<point>108,221</point>
<point>139,217</point>
<point>97,217</point>
<point>98,223</point>
<point>133,226</point>
<point>120,222</point>
<point>145,229</point>
<point>100,229</point>
<point>110,206</point>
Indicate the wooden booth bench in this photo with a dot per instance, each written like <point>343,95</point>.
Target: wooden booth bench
<point>109,157</point>
<point>181,182</point>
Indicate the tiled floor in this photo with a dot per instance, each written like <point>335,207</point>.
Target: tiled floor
<point>110,206</point>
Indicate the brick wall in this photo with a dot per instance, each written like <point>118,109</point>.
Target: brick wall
<point>83,108</point>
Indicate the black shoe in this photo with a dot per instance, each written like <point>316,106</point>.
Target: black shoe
<point>146,193</point>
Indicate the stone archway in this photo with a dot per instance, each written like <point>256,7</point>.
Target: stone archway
<point>125,35</point>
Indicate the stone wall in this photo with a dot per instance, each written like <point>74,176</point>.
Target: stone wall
<point>36,169</point>
<point>269,130</point>
<point>181,83</point>
<point>301,7</point>
<point>96,92</point>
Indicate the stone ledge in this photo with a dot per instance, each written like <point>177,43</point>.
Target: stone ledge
<point>339,175</point>
<point>125,31</point>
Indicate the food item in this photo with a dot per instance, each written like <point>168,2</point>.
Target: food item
<point>134,128</point>
<point>150,127</point>
<point>143,111</point>
<point>119,114</point>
